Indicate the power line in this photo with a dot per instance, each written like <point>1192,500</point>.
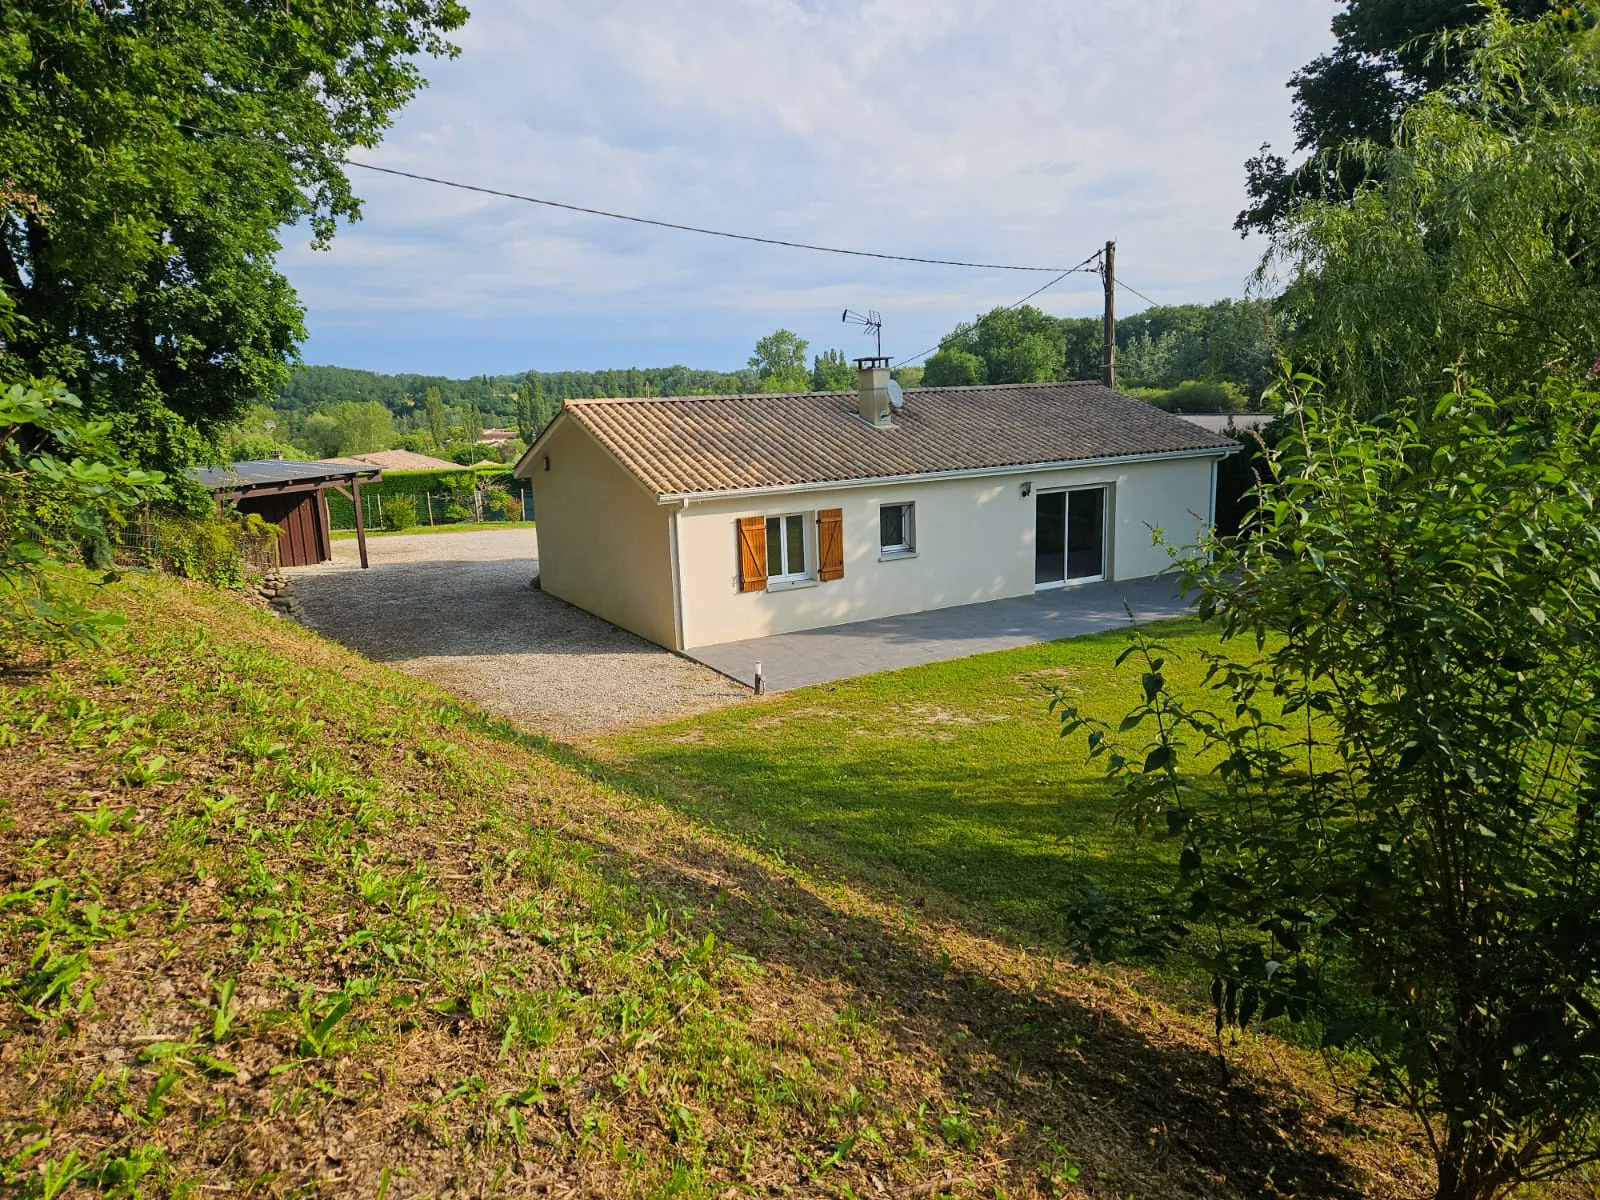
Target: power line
<point>1138,293</point>
<point>616,216</point>
<point>740,237</point>
<point>961,333</point>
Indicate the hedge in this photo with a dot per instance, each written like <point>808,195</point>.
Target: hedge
<point>439,483</point>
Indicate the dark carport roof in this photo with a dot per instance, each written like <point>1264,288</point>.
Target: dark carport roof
<point>276,472</point>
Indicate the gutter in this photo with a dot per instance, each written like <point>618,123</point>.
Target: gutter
<point>835,485</point>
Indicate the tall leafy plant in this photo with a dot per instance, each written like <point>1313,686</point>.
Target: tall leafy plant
<point>63,484</point>
<point>1388,797</point>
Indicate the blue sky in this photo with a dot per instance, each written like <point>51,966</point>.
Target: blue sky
<point>996,130</point>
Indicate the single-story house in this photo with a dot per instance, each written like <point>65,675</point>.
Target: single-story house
<point>293,496</point>
<point>695,520</point>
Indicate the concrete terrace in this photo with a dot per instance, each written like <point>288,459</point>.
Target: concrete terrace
<point>792,660</point>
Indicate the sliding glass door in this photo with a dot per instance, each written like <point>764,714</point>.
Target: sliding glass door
<point>1069,537</point>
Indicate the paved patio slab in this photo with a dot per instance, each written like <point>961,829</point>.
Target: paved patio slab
<point>791,660</point>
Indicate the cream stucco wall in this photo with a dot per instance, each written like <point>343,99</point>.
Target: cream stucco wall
<point>974,542</point>
<point>604,541</point>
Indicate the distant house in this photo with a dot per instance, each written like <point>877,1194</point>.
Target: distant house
<point>696,520</point>
<point>396,460</point>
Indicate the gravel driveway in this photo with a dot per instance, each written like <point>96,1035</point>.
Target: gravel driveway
<point>455,609</point>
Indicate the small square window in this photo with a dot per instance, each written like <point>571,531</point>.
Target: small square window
<point>895,532</point>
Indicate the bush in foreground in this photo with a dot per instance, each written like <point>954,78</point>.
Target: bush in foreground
<point>1410,854</point>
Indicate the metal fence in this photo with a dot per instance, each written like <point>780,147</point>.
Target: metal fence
<point>438,508</point>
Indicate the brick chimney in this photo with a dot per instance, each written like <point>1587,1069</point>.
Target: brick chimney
<point>872,392</point>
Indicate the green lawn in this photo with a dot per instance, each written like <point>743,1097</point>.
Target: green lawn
<point>950,776</point>
<point>463,527</point>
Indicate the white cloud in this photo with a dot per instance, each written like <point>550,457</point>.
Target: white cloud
<point>1021,131</point>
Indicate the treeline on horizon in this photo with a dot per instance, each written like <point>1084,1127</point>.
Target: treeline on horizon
<point>1230,342</point>
<point>1215,357</point>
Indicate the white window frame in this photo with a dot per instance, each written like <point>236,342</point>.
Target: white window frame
<point>808,550</point>
<point>907,549</point>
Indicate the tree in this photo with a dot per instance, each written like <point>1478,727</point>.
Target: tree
<point>831,371</point>
<point>349,428</point>
<point>780,361</point>
<point>1383,60</point>
<point>471,425</point>
<point>953,367</point>
<point>152,151</point>
<point>1390,815</point>
<point>1017,345</point>
<point>433,408</point>
<point>1476,241</point>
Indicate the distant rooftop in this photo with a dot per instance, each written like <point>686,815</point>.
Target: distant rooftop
<point>397,460</point>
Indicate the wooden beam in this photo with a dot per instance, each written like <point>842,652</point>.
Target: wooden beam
<point>361,527</point>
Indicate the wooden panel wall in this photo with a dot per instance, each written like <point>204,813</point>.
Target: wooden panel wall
<point>301,516</point>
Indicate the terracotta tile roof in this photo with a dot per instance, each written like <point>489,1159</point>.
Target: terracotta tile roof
<point>685,444</point>
<point>398,460</point>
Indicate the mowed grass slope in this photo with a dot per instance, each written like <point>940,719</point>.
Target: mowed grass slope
<point>951,776</point>
<point>276,921</point>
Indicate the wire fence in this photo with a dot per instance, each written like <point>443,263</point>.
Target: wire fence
<point>432,509</point>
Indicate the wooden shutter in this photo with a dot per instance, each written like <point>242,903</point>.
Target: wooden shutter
<point>830,543</point>
<point>752,554</point>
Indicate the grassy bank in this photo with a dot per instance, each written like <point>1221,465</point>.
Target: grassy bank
<point>276,920</point>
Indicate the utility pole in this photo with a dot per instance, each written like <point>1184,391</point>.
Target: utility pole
<point>1108,273</point>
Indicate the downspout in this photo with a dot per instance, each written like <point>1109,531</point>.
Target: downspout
<point>677,574</point>
<point>1211,519</point>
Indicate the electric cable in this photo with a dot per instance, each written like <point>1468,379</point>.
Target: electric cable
<point>961,333</point>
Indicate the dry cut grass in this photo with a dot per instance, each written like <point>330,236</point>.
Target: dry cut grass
<point>275,921</point>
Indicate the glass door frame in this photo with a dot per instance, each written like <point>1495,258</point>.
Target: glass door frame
<point>1066,550</point>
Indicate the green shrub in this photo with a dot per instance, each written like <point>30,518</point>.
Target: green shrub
<point>457,512</point>
<point>63,489</point>
<point>216,548</point>
<point>1196,396</point>
<point>398,512</point>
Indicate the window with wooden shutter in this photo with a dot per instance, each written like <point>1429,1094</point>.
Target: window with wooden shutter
<point>830,543</point>
<point>752,534</point>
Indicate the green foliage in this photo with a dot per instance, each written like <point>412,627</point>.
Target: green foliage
<point>831,371</point>
<point>1017,345</point>
<point>1388,817</point>
<point>348,428</point>
<point>64,490</point>
<point>151,158</point>
<point>213,547</point>
<point>1232,341</point>
<point>433,406</point>
<point>1476,245</point>
<point>1195,396</point>
<point>953,367</point>
<point>533,410</point>
<point>399,512</point>
<point>780,362</point>
<point>1383,58</point>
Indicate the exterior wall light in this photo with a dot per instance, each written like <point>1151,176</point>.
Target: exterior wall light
<point>1027,489</point>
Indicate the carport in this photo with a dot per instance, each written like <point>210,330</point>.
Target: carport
<point>292,496</point>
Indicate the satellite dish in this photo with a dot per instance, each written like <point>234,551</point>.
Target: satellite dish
<point>897,397</point>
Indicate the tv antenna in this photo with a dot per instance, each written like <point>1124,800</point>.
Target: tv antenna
<point>871,322</point>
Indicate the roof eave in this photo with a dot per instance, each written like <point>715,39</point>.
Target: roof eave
<point>835,485</point>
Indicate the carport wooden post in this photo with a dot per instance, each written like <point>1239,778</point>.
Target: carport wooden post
<point>361,526</point>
